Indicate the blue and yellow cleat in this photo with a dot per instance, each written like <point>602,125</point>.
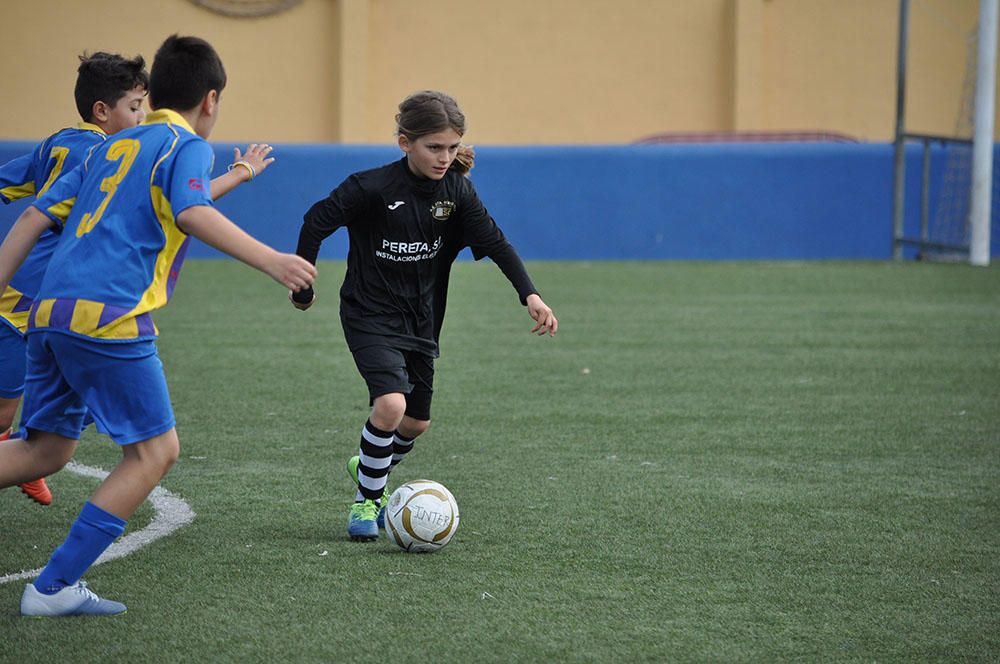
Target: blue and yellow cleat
<point>75,600</point>
<point>352,471</point>
<point>362,525</point>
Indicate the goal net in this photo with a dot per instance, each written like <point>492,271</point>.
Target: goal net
<point>945,230</point>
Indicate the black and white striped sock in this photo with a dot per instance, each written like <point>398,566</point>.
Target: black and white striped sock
<point>401,446</point>
<point>376,456</point>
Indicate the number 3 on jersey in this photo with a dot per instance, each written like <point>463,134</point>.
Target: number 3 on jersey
<point>125,150</point>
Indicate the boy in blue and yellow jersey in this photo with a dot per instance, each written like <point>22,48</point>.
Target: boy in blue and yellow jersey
<point>109,96</point>
<point>125,216</point>
<point>110,91</point>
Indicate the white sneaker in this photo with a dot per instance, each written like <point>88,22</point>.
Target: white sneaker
<point>74,600</point>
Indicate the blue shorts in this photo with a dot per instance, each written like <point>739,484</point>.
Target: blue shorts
<point>12,349</point>
<point>121,384</point>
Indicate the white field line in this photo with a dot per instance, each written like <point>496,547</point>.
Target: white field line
<point>171,513</point>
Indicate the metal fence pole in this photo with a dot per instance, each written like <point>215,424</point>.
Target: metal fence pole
<point>899,165</point>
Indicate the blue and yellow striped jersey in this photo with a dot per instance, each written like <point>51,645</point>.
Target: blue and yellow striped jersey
<point>35,172</point>
<point>121,250</point>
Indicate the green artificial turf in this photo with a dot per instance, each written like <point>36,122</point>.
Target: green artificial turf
<point>710,462</point>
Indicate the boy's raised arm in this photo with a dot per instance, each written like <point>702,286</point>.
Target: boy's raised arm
<point>213,228</point>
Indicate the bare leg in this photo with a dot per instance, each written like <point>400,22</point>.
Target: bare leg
<point>387,411</point>
<point>412,428</point>
<point>142,466</point>
<point>26,460</point>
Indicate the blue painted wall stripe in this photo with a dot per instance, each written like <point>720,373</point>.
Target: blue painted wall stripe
<point>688,202</point>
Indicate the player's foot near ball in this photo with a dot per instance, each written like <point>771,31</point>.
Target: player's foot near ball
<point>352,472</point>
<point>362,526</point>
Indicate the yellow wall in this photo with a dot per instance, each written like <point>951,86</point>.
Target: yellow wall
<point>832,64</point>
<point>831,67</point>
<point>555,71</point>
<point>282,71</point>
<point>525,71</point>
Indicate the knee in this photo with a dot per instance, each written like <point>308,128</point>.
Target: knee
<point>413,428</point>
<point>64,455</point>
<point>159,454</point>
<point>388,411</point>
<point>52,452</point>
<point>169,452</point>
<point>163,460</point>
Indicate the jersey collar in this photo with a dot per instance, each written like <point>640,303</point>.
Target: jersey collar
<point>87,126</point>
<point>167,116</point>
<point>424,186</point>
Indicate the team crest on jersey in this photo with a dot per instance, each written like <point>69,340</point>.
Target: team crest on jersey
<point>441,210</point>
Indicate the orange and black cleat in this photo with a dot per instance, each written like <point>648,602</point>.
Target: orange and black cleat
<point>38,491</point>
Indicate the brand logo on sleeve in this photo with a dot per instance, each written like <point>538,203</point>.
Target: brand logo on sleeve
<point>196,184</point>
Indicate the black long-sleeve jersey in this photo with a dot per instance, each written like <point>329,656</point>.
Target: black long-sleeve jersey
<point>405,233</point>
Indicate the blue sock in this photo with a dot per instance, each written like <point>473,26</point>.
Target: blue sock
<point>92,532</point>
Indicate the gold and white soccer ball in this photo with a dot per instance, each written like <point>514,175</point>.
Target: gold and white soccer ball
<point>422,516</point>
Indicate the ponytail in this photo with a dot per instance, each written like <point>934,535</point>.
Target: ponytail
<point>464,160</point>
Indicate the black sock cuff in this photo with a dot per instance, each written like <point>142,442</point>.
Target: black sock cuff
<point>371,494</point>
<point>375,431</point>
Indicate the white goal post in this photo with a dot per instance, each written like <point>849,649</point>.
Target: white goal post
<point>982,140</point>
<point>959,228</point>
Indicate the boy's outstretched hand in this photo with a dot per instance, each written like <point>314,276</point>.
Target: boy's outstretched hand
<point>541,313</point>
<point>257,155</point>
<point>292,271</point>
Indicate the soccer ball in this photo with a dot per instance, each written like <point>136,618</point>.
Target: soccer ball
<point>422,516</point>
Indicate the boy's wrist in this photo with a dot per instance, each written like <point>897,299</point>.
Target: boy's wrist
<point>244,167</point>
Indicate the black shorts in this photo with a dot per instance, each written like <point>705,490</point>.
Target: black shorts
<point>387,370</point>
